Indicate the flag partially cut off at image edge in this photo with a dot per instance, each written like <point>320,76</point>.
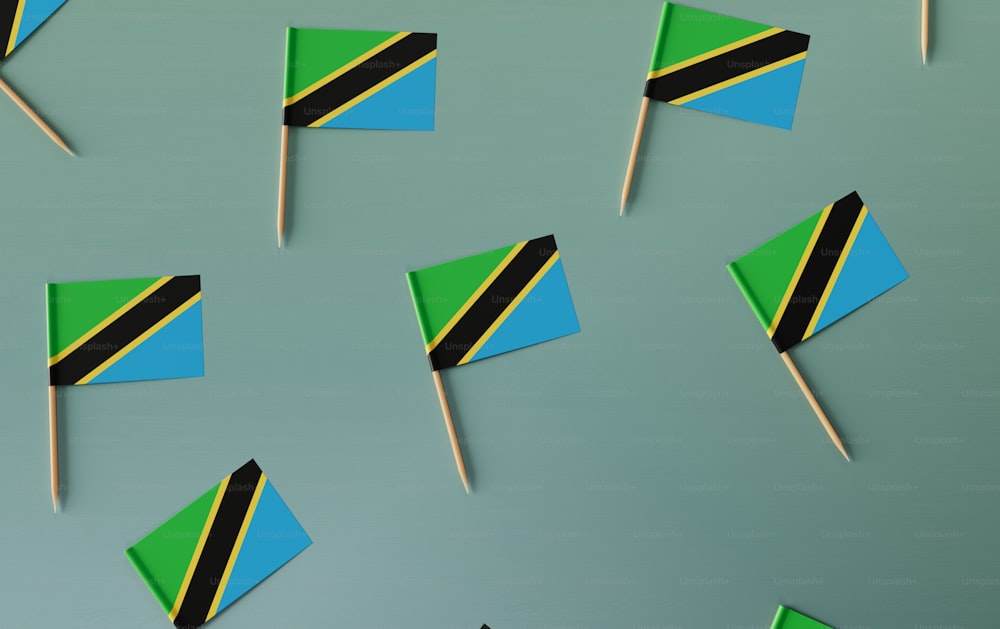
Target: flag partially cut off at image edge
<point>727,66</point>
<point>217,548</point>
<point>20,18</point>
<point>817,272</point>
<point>788,618</point>
<point>353,79</point>
<point>124,330</point>
<point>493,302</point>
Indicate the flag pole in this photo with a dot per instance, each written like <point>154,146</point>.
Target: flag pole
<point>814,404</point>
<point>924,27</point>
<point>451,429</point>
<point>282,180</point>
<point>634,155</point>
<point>35,117</point>
<point>54,447</point>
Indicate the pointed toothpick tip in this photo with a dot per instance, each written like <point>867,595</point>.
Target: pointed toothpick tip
<point>466,483</point>
<point>621,212</point>
<point>55,505</point>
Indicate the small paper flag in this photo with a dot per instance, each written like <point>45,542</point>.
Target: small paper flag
<point>728,66</point>
<point>788,618</point>
<point>122,330</point>
<point>493,302</point>
<point>219,547</point>
<point>20,18</point>
<point>360,79</point>
<point>817,272</point>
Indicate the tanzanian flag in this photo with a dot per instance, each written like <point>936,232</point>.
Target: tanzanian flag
<point>122,330</point>
<point>360,79</point>
<point>493,302</point>
<point>20,18</point>
<point>218,547</point>
<point>727,66</point>
<point>788,618</point>
<point>817,272</point>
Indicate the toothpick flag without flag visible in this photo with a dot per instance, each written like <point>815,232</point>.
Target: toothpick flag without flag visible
<point>723,65</point>
<point>814,274</point>
<point>488,304</point>
<point>925,19</point>
<point>18,19</point>
<point>119,331</point>
<point>356,80</point>
<point>788,618</point>
<point>219,547</point>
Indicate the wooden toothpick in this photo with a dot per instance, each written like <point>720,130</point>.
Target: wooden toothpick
<point>634,155</point>
<point>456,450</point>
<point>925,11</point>
<point>35,117</point>
<point>54,448</point>
<point>814,404</point>
<point>282,181</point>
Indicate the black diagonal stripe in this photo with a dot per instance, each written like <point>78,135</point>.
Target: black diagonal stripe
<point>817,271</point>
<point>492,302</point>
<point>728,65</point>
<point>360,78</point>
<point>218,547</point>
<point>124,329</point>
<point>8,10</point>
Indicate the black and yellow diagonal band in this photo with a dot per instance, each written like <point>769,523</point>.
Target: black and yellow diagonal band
<point>817,272</point>
<point>218,546</point>
<point>122,332</point>
<point>495,299</point>
<point>364,76</point>
<point>715,70</point>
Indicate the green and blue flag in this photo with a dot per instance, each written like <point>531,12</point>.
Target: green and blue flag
<point>493,302</point>
<point>360,79</point>
<point>728,66</point>
<point>217,548</point>
<point>123,330</point>
<point>817,272</point>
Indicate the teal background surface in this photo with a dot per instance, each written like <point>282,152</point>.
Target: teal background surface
<point>659,469</point>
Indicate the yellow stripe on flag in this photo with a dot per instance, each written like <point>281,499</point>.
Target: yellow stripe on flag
<point>344,68</point>
<point>16,26</point>
<point>476,295</point>
<point>110,319</point>
<point>836,273</point>
<point>139,339</point>
<point>377,87</point>
<point>739,79</point>
<point>680,65</point>
<point>236,548</point>
<point>510,308</point>
<point>798,271</point>
<point>172,614</point>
